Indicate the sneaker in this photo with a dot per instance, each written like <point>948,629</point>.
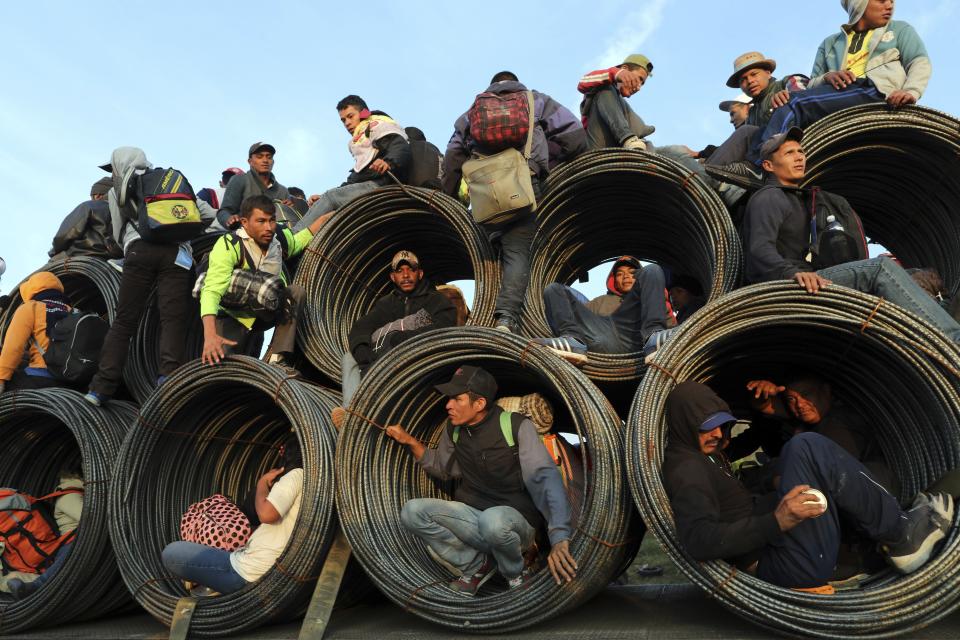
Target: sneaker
<point>504,324</point>
<point>21,590</point>
<point>469,585</point>
<point>567,347</point>
<point>635,143</point>
<point>96,399</point>
<point>522,580</point>
<point>116,263</point>
<point>927,523</point>
<point>338,415</point>
<point>278,359</point>
<point>743,174</point>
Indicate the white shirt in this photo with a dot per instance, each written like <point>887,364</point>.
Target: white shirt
<point>266,544</point>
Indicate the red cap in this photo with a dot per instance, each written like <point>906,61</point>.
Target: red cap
<point>234,170</point>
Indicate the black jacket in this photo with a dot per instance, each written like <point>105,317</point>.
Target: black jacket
<point>396,305</point>
<point>716,516</point>
<point>776,233</point>
<point>87,231</point>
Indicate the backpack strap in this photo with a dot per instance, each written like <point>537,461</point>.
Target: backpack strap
<point>528,147</point>
<point>506,428</point>
<point>57,494</point>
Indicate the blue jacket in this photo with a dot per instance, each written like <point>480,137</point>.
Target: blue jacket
<point>559,136</point>
<point>898,60</point>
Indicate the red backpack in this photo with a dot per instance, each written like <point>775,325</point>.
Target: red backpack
<point>29,533</point>
<point>500,121</point>
<point>215,522</point>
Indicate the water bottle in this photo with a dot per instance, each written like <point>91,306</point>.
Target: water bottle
<point>836,246</point>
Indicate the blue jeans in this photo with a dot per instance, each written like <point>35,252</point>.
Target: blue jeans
<point>350,372</point>
<point>462,535</point>
<point>59,559</point>
<point>641,314</point>
<point>610,120</point>
<point>885,278</point>
<point>333,199</point>
<point>514,239</point>
<point>806,107</point>
<point>806,555</point>
<point>202,564</point>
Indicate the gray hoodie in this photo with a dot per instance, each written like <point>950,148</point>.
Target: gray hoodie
<point>126,162</point>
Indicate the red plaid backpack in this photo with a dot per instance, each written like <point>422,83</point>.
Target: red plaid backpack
<point>215,522</point>
<point>500,121</point>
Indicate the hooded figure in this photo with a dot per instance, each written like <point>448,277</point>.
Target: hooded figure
<point>125,163</point>
<point>610,301</point>
<point>44,304</point>
<point>716,516</point>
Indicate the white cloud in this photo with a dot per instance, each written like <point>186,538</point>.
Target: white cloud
<point>634,31</point>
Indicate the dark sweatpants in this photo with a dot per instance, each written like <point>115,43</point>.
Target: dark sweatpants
<point>641,313</point>
<point>806,107</point>
<point>806,555</point>
<point>146,264</point>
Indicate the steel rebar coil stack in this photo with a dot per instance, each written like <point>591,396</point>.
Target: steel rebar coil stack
<point>213,430</point>
<point>608,203</point>
<point>143,359</point>
<point>42,430</point>
<point>376,476</point>
<point>90,283</point>
<point>900,170</point>
<point>345,268</point>
<point>882,362</point>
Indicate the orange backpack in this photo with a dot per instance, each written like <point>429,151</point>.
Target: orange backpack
<point>28,532</point>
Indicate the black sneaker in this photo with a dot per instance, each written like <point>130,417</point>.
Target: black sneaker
<point>469,585</point>
<point>743,174</point>
<point>928,522</point>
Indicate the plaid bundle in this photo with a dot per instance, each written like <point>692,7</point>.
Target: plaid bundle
<point>499,122</point>
<point>254,291</point>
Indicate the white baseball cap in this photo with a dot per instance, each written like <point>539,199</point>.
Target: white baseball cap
<point>741,99</point>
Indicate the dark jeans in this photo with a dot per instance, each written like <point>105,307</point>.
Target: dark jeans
<point>202,564</point>
<point>885,278</point>
<point>641,313</point>
<point>22,380</point>
<point>736,148</point>
<point>806,555</point>
<point>514,239</point>
<point>806,107</point>
<point>59,559</point>
<point>147,264</point>
<point>249,341</point>
<point>610,120</point>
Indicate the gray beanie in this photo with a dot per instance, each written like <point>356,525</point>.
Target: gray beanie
<point>855,9</point>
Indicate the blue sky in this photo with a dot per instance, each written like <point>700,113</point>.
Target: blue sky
<point>195,83</point>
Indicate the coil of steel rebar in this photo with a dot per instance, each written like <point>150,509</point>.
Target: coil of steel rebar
<point>90,283</point>
<point>900,170</point>
<point>43,430</point>
<point>213,430</point>
<point>345,269</point>
<point>143,358</point>
<point>884,364</point>
<point>608,203</point>
<point>376,476</point>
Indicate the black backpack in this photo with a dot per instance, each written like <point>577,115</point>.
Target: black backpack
<point>425,161</point>
<point>73,354</point>
<point>832,247</point>
<point>166,207</point>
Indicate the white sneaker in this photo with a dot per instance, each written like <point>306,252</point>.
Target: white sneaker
<point>635,143</point>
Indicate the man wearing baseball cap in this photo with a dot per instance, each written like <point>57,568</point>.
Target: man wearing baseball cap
<point>259,181</point>
<point>789,537</point>
<point>782,242</point>
<point>608,119</point>
<point>738,108</point>
<point>413,306</point>
<point>509,488</point>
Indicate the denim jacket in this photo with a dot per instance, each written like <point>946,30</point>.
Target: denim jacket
<point>898,60</point>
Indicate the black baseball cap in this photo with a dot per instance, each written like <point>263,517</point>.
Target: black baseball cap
<point>261,146</point>
<point>771,146</point>
<point>468,378</point>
